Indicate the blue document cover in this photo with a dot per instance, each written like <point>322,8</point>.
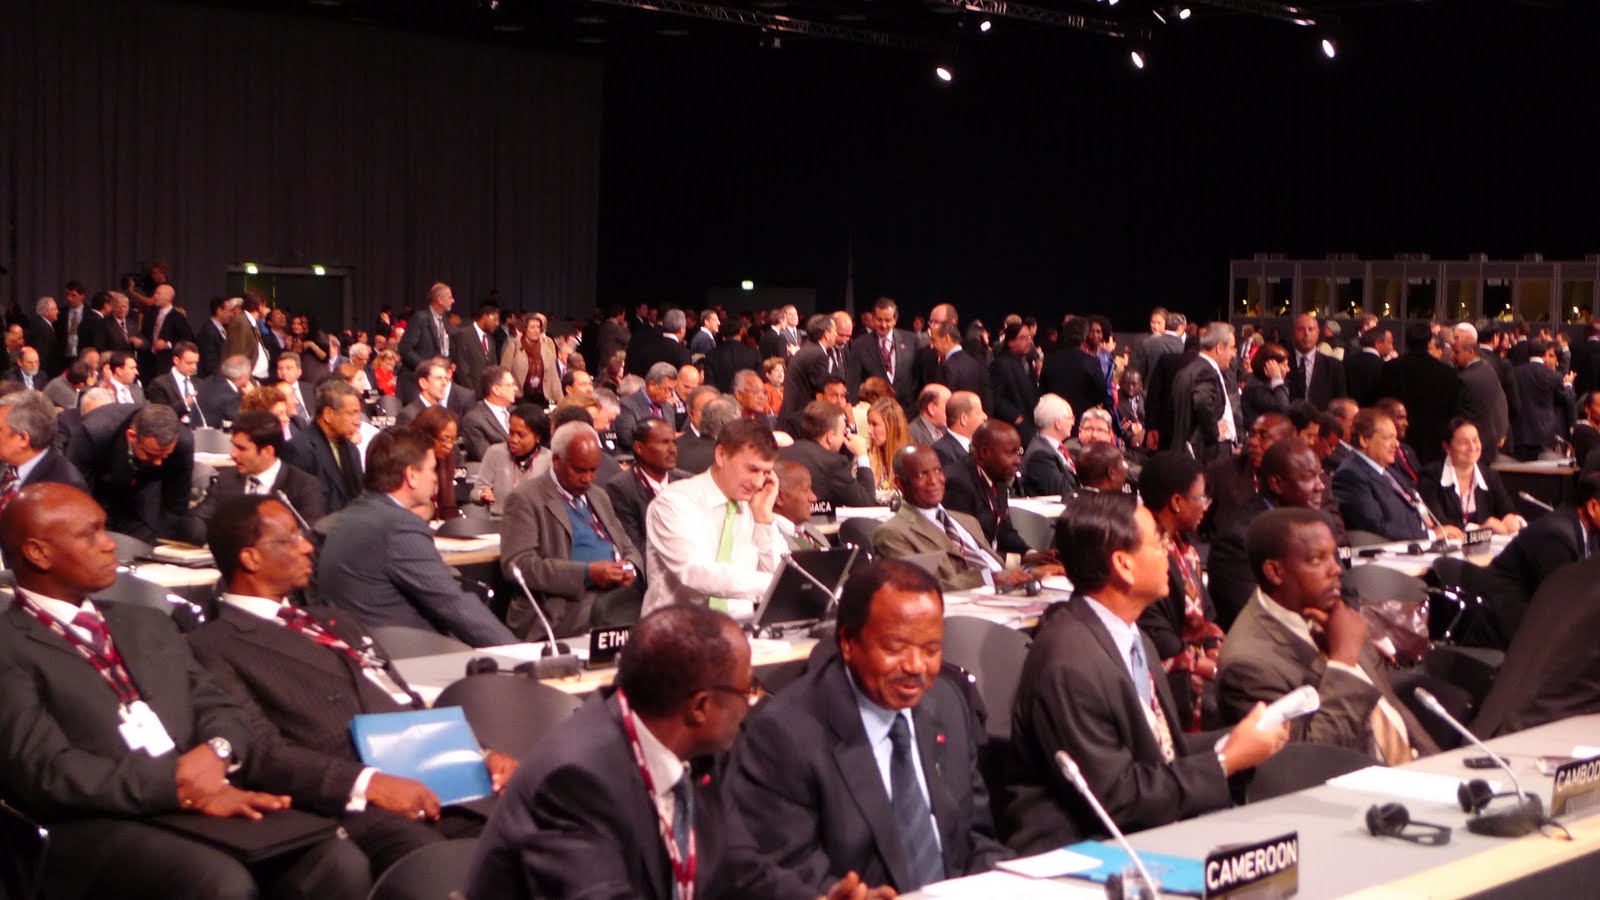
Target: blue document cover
<point>433,746</point>
<point>1177,874</point>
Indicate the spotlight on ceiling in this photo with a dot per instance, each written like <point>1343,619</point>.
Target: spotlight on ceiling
<point>985,25</point>
<point>1329,48</point>
<point>1159,17</point>
<point>944,74</point>
<point>1137,58</point>
<point>1184,13</point>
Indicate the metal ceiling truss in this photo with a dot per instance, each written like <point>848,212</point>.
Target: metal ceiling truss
<point>1053,17</point>
<point>778,23</point>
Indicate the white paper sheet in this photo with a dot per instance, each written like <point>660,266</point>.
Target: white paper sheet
<point>996,884</point>
<point>1052,864</point>
<point>1403,784</point>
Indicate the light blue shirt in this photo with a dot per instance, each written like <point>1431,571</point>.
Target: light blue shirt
<point>1123,635</point>
<point>26,469</point>
<point>877,721</point>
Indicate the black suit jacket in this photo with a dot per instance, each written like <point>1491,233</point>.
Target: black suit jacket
<point>1362,373</point>
<point>950,450</point>
<point>63,757</point>
<point>53,467</point>
<point>576,821</point>
<point>1493,502</point>
<point>729,359</point>
<point>772,344</point>
<point>864,359</point>
<point>297,698</point>
<point>311,452</point>
<point>1509,582</point>
<point>1327,379</point>
<point>480,430</point>
<point>1044,470</point>
<point>804,779</point>
<point>468,355</point>
<point>174,328</point>
<point>1259,396</point>
<point>1552,669</point>
<point>421,341</point>
<point>1484,401</point>
<point>1547,410</point>
<point>962,371</point>
<point>41,336</point>
<point>696,452</point>
<point>1075,694</point>
<point>142,501</point>
<point>1074,374</point>
<point>1015,393</point>
<point>834,478</point>
<point>1198,395</point>
<point>1158,395</point>
<point>966,491</point>
<point>1367,502</point>
<point>302,489</point>
<point>219,400</point>
<point>803,378</point>
<point>630,499</point>
<point>209,339</point>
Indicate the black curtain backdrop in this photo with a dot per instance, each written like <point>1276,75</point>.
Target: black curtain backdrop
<point>207,138</point>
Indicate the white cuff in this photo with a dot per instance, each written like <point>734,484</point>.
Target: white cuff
<point>358,791</point>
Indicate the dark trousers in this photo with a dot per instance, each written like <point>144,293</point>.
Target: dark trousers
<point>386,837</point>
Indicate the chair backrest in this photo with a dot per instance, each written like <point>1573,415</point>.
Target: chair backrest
<point>509,713</point>
<point>1299,766</point>
<point>128,546</point>
<point>405,642</point>
<point>389,405</point>
<point>993,655</point>
<point>434,872</point>
<point>1373,582</point>
<point>1358,538</point>
<point>468,527</point>
<point>858,531</point>
<point>1037,530</point>
<point>212,440</point>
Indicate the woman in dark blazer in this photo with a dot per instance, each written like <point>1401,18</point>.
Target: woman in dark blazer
<point>1266,390</point>
<point>1463,492</point>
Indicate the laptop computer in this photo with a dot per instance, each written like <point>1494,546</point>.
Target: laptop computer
<point>804,589</point>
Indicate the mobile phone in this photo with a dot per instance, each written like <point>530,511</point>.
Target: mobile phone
<point>1549,764</point>
<point>1484,762</point>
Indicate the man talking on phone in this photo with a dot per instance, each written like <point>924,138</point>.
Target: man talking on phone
<point>713,538</point>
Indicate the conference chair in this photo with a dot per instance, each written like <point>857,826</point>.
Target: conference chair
<point>23,843</point>
<point>1301,765</point>
<point>992,654</point>
<point>390,406</point>
<point>131,590</point>
<point>405,642</point>
<point>1038,531</point>
<point>212,440</point>
<point>509,712</point>
<point>435,872</point>
<point>1358,538</point>
<point>129,547</point>
<point>858,531</point>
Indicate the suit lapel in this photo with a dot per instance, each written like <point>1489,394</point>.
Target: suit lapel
<point>858,768</point>
<point>275,638</point>
<point>931,532</point>
<point>557,508</point>
<point>931,744</point>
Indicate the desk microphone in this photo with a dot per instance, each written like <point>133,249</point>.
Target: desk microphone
<point>1528,815</point>
<point>284,499</point>
<point>1069,768</point>
<point>555,659</point>
<point>1531,500</point>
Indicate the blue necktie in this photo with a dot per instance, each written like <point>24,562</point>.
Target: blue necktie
<point>1141,670</point>
<point>682,815</point>
<point>924,861</point>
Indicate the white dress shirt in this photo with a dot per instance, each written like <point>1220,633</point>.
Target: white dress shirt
<point>664,766</point>
<point>63,612</point>
<point>683,528</point>
<point>1225,427</point>
<point>266,479</point>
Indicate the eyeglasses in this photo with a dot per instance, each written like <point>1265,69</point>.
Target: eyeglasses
<point>751,694</point>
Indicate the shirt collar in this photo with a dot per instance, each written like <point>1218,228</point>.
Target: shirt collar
<point>571,500</point>
<point>874,719</point>
<point>1123,634</point>
<point>26,469</point>
<point>655,486</point>
<point>965,442</point>
<point>260,607</point>
<point>269,477</point>
<point>60,610</point>
<point>1447,477</point>
<point>664,766</point>
<point>1370,461</point>
<point>1296,625</point>
<point>704,487</point>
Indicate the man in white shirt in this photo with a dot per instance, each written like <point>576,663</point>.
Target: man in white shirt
<point>713,538</point>
<point>122,376</point>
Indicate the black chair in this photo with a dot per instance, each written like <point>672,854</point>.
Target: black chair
<point>509,713</point>
<point>405,642</point>
<point>781,675</point>
<point>389,405</point>
<point>992,654</point>
<point>468,527</point>
<point>858,531</point>
<point>435,872</point>
<point>1382,583</point>
<point>1358,538</point>
<point>618,606</point>
<point>23,843</point>
<point>1038,531</point>
<point>1458,701</point>
<point>131,590</point>
<point>129,548</point>
<point>1299,766</point>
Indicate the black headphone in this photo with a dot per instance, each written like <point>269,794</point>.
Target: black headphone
<point>488,665</point>
<point>1525,818</point>
<point>1392,820</point>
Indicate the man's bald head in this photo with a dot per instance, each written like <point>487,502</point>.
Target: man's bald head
<point>54,539</point>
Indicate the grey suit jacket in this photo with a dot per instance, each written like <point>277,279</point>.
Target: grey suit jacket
<point>908,533</point>
<point>480,430</point>
<point>499,474</point>
<point>380,562</point>
<point>1262,660</point>
<point>1044,470</point>
<point>60,393</point>
<point>635,408</point>
<point>922,432</point>
<point>536,537</point>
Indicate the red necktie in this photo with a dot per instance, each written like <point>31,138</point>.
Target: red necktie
<point>9,485</point>
<point>486,345</point>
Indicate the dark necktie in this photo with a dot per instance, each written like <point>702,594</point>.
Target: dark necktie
<point>886,351</point>
<point>924,862</point>
<point>9,485</point>
<point>95,627</point>
<point>682,815</point>
<point>973,557</point>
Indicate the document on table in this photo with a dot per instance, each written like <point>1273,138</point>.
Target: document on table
<point>466,545</point>
<point>1404,784</point>
<point>840,513</point>
<point>1052,864</point>
<point>994,884</point>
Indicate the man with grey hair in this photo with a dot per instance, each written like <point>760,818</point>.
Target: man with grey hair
<point>40,334</point>
<point>1206,415</point>
<point>569,545</point>
<point>26,372</point>
<point>427,336</point>
<point>1047,466</point>
<point>750,392</point>
<point>27,439</point>
<point>139,463</point>
<point>361,358</point>
<point>694,441</point>
<point>697,455</point>
<point>219,396</point>
<point>327,449</point>
<point>653,401</point>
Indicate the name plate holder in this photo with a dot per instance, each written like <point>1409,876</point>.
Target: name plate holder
<point>1268,870</point>
<point>1577,788</point>
<point>604,644</point>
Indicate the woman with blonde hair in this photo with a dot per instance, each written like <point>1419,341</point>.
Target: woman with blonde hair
<point>272,400</point>
<point>534,362</point>
<point>872,390</point>
<point>383,371</point>
<point>772,369</point>
<point>887,435</point>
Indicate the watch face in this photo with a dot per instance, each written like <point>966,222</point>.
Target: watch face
<point>221,747</point>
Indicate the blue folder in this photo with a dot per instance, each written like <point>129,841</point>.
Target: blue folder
<point>433,746</point>
<point>1176,874</point>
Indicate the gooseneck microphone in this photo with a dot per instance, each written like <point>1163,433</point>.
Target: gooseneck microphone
<point>1528,815</point>
<point>1069,768</point>
<point>1535,501</point>
<point>556,659</point>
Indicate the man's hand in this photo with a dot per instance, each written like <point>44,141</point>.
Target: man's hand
<point>1010,578</point>
<point>606,574</point>
<point>856,444</point>
<point>487,496</point>
<point>200,773</point>
<point>1344,632</point>
<point>850,887</point>
<point>1451,533</point>
<point>501,768</point>
<point>402,796</point>
<point>1047,557</point>
<point>1249,746</point>
<point>233,803</point>
<point>761,503</point>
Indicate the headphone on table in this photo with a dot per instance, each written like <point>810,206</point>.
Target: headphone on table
<point>1475,795</point>
<point>1392,820</point>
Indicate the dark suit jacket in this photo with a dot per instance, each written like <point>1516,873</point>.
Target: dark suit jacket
<point>651,347</point>
<point>480,430</point>
<point>1552,669</point>
<point>962,371</point>
<point>142,501</point>
<point>908,533</point>
<point>380,562</point>
<point>1197,406</point>
<point>1259,396</point>
<point>14,376</point>
<point>91,331</point>
<point>244,338</point>
<point>1509,582</point>
<point>1075,375</point>
<point>696,452</point>
<point>950,450</point>
<point>803,378</point>
<point>577,821</point>
<point>771,343</point>
<point>54,467</point>
<point>1044,470</point>
<point>1362,373</point>
<point>1585,438</point>
<point>1163,623</point>
<point>728,359</point>
<point>41,336</point>
<point>468,355</point>
<point>298,698</point>
<point>804,778</point>
<point>421,341</point>
<point>1149,351</point>
<point>834,478</point>
<point>1231,483</point>
<point>1367,502</point>
<point>1483,400</point>
<point>174,328</point>
<point>1445,503</point>
<point>1327,379</point>
<point>1159,397</point>
<point>302,489</point>
<point>635,408</point>
<point>63,757</point>
<point>1547,411</point>
<point>1015,393</point>
<point>864,359</point>
<point>1262,660</point>
<point>966,491</point>
<point>211,342</point>
<point>311,452</point>
<point>219,400</point>
<point>1075,695</point>
<point>630,498</point>
<point>118,337</point>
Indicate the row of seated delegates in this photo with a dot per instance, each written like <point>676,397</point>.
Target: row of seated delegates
<point>565,540</point>
<point>1297,629</point>
<point>625,798</point>
<point>27,446</point>
<point>1091,685</point>
<point>110,721</point>
<point>980,484</point>
<point>923,525</point>
<point>838,479</point>
<point>506,465</point>
<point>1371,498</point>
<point>299,675</point>
<point>1290,476</point>
<point>379,560</point>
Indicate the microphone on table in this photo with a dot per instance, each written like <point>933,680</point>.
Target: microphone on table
<point>1531,500</point>
<point>1069,768</point>
<point>1528,815</point>
<point>284,499</point>
<point>556,659</point>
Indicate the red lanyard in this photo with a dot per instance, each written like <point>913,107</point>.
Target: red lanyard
<point>106,660</point>
<point>683,870</point>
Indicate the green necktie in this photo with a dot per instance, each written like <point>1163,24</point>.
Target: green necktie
<point>725,550</point>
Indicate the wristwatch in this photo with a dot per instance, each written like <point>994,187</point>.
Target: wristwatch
<point>221,747</point>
